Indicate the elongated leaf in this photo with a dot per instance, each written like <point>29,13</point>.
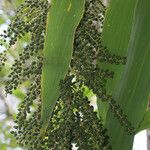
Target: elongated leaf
<point>132,93</point>
<point>116,33</point>
<point>63,20</point>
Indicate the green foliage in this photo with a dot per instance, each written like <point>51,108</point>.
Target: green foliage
<point>56,112</point>
<point>133,90</point>
<point>28,66</point>
<point>116,33</point>
<point>58,51</point>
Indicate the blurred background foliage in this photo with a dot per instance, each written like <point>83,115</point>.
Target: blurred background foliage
<point>9,103</point>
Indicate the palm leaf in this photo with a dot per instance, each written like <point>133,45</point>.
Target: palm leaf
<point>132,92</point>
<point>116,34</point>
<point>63,20</point>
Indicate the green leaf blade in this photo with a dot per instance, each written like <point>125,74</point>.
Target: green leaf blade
<point>132,93</point>
<point>63,20</point>
<point>116,34</point>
